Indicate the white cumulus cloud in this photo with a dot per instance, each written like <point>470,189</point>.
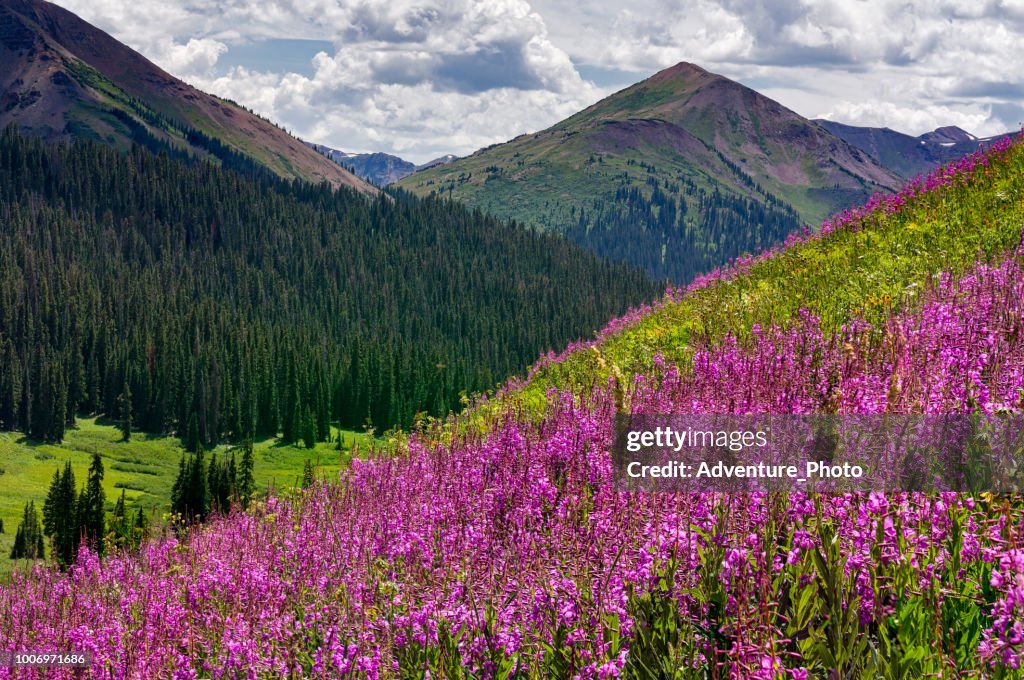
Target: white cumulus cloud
<point>418,77</point>
<point>427,77</point>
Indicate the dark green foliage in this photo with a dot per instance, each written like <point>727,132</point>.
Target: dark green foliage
<point>119,526</point>
<point>60,516</point>
<point>676,230</point>
<point>219,307</point>
<point>124,412</point>
<point>126,531</point>
<point>221,483</point>
<point>28,540</point>
<point>140,525</point>
<point>68,519</point>
<point>246,482</point>
<point>309,431</point>
<point>191,442</point>
<point>199,491</point>
<point>190,496</point>
<point>307,475</point>
<point>92,506</point>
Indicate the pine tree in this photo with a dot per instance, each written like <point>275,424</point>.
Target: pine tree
<point>309,430</point>
<point>124,412</point>
<point>199,497</point>
<point>92,506</point>
<point>246,481</point>
<point>213,483</point>
<point>219,485</point>
<point>233,477</point>
<point>139,528</point>
<point>18,549</point>
<point>119,528</point>
<point>190,495</point>
<point>178,490</point>
<point>60,516</point>
<point>28,540</point>
<point>307,475</point>
<point>192,441</point>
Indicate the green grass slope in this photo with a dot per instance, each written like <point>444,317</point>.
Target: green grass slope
<point>145,468</point>
<point>877,263</point>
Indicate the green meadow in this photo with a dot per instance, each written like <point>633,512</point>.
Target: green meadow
<point>145,468</point>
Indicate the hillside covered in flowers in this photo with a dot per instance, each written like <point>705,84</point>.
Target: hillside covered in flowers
<point>496,545</point>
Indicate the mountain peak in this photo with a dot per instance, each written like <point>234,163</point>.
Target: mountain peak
<point>64,78</point>
<point>683,138</point>
<point>948,134</point>
<point>683,68</point>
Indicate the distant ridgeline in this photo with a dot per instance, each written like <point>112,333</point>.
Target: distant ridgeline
<point>249,307</point>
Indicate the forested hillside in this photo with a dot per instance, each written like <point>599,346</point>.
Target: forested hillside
<point>195,300</point>
<point>678,174</point>
<point>511,549</point>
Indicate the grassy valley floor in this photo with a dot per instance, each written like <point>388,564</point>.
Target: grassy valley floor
<point>145,468</point>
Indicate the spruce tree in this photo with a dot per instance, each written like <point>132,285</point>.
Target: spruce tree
<point>307,475</point>
<point>199,493</point>
<point>18,549</point>
<point>60,516</point>
<point>119,528</point>
<point>139,529</point>
<point>179,489</point>
<point>213,483</point>
<point>219,485</point>
<point>309,430</point>
<point>246,481</point>
<point>92,508</point>
<point>190,496</point>
<point>124,412</point>
<point>28,540</point>
<point>232,476</point>
<point>192,441</point>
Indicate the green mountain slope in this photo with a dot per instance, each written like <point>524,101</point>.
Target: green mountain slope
<point>678,174</point>
<point>871,263</point>
<point>63,78</point>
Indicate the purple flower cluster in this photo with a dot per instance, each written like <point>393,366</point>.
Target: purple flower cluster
<point>955,173</point>
<point>514,551</point>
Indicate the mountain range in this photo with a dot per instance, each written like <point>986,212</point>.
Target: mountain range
<point>677,173</point>
<point>199,231</point>
<point>906,155</point>
<point>685,170</point>
<point>377,167</point>
<point>63,78</point>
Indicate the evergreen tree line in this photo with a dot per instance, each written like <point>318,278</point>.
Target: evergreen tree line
<point>28,539</point>
<point>72,517</point>
<point>677,232</point>
<point>183,298</point>
<point>200,490</point>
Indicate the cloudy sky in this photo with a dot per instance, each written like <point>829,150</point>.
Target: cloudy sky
<point>421,78</point>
